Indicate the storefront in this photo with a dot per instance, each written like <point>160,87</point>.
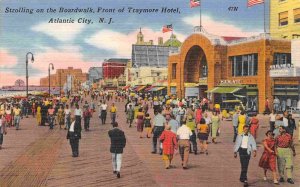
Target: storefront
<point>203,87</point>
<point>205,60</point>
<point>285,88</point>
<point>173,89</point>
<point>191,90</point>
<point>227,92</point>
<point>285,97</point>
<point>252,98</point>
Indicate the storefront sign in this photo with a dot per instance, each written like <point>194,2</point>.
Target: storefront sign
<point>285,72</point>
<point>189,85</point>
<point>173,90</point>
<point>230,82</point>
<point>173,84</point>
<point>192,92</point>
<point>202,81</point>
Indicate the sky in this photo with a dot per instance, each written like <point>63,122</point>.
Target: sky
<point>82,45</point>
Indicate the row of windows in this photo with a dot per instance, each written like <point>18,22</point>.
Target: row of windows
<point>244,65</point>
<point>282,59</point>
<point>284,17</point>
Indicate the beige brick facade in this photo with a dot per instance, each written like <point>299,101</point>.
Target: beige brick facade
<point>61,77</point>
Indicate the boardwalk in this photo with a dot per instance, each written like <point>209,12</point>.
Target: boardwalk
<point>35,156</point>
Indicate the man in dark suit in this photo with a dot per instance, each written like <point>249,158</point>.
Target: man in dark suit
<point>74,134</point>
<point>118,142</point>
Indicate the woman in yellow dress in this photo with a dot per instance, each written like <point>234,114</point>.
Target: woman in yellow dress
<point>242,122</point>
<point>215,125</point>
<point>61,116</point>
<point>38,115</point>
<point>136,110</point>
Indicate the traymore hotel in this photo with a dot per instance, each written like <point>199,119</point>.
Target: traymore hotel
<point>225,68</point>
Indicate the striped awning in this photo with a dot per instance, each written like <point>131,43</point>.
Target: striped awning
<point>149,88</point>
<point>125,87</point>
<point>224,90</point>
<point>140,88</point>
<point>157,88</point>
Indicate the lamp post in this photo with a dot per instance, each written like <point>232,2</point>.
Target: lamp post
<point>32,60</point>
<point>50,64</point>
<point>60,83</point>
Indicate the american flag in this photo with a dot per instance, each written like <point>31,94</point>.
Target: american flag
<point>167,28</point>
<point>254,2</point>
<point>194,3</point>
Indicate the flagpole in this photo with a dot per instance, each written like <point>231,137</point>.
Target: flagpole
<point>264,17</point>
<point>172,35</point>
<point>200,17</point>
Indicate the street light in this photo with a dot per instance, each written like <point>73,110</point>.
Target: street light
<point>49,75</point>
<point>32,60</point>
<point>61,71</point>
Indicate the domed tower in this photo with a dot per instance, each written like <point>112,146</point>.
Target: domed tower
<point>140,38</point>
<point>173,41</point>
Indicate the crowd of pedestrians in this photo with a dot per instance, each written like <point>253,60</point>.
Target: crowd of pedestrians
<point>174,125</point>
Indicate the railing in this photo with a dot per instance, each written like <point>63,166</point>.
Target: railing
<point>249,39</point>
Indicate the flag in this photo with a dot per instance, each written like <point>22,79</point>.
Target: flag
<point>167,28</point>
<point>254,2</point>
<point>194,3</point>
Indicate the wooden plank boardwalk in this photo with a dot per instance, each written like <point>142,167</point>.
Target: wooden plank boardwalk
<point>33,166</point>
<point>36,156</point>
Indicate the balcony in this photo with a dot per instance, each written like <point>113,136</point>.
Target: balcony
<point>284,70</point>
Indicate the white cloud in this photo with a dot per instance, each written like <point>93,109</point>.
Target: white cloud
<point>121,43</point>
<point>218,27</point>
<point>7,60</point>
<point>61,31</point>
<point>63,57</point>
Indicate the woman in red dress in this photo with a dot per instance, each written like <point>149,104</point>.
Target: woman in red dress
<point>268,158</point>
<point>169,144</point>
<point>198,114</point>
<point>254,126</point>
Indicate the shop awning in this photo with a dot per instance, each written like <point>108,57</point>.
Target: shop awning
<point>252,93</point>
<point>140,88</point>
<point>135,87</point>
<point>125,87</point>
<point>224,90</point>
<point>149,88</point>
<point>158,88</point>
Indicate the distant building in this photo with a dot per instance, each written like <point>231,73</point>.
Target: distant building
<point>60,77</point>
<point>147,54</point>
<point>95,74</point>
<point>114,67</point>
<point>285,19</point>
<point>146,76</point>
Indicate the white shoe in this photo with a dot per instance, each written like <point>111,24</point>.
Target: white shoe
<point>265,178</point>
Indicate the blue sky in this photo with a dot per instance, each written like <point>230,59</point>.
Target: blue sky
<point>83,45</point>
